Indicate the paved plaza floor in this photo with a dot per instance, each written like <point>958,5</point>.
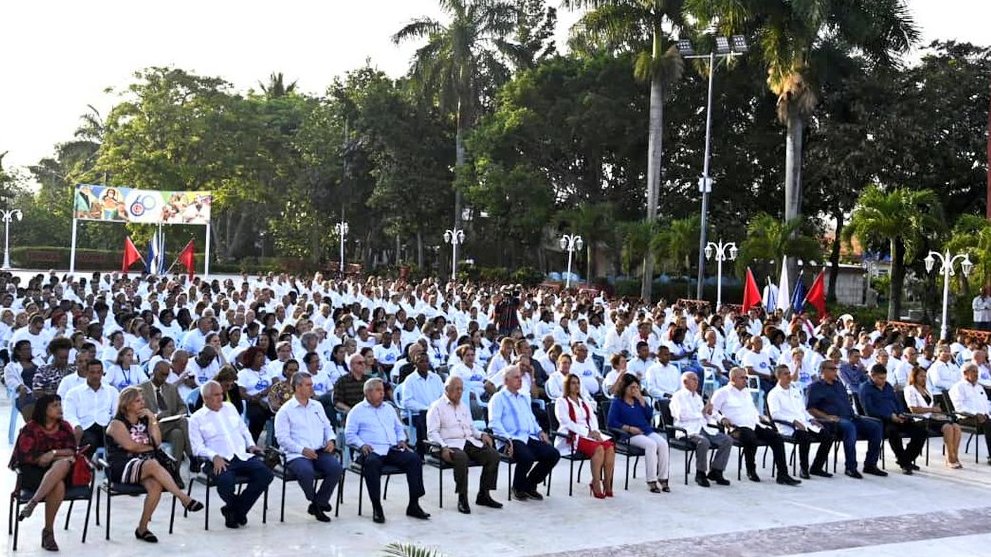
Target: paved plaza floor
<point>935,512</point>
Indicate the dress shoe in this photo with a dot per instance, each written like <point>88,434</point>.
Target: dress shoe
<point>463,507</point>
<point>535,495</point>
<point>230,520</point>
<point>485,500</point>
<point>752,476</point>
<point>415,511</point>
<point>317,513</point>
<point>378,517</point>
<point>914,466</point>
<point>520,495</point>
<point>785,479</point>
<point>717,476</point>
<point>820,473</point>
<point>875,471</point>
<point>804,474</point>
<point>854,474</point>
<point>701,479</point>
<point>907,470</point>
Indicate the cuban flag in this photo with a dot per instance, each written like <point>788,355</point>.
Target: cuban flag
<point>155,264</point>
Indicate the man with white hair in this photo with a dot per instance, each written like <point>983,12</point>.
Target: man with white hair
<point>689,412</point>
<point>970,401</point>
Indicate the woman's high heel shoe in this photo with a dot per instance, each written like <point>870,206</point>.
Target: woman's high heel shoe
<point>595,492</point>
<point>26,511</point>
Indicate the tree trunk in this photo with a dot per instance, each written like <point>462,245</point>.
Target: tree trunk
<point>459,149</point>
<point>655,149</point>
<point>419,250</point>
<point>589,255</point>
<point>897,279</point>
<point>834,259</point>
<point>793,175</point>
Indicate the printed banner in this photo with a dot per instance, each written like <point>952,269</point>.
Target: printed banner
<point>114,204</point>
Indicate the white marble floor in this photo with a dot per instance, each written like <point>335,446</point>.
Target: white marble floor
<point>635,522</point>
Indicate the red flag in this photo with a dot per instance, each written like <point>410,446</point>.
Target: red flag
<point>751,294</point>
<point>817,294</point>
<point>187,258</point>
<point>131,255</point>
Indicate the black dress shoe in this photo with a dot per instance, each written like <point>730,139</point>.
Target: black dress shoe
<point>463,507</point>
<point>914,466</point>
<point>487,501</point>
<point>752,476</point>
<point>230,520</point>
<point>520,495</point>
<point>907,470</point>
<point>378,517</point>
<point>820,473</point>
<point>717,476</point>
<point>317,513</point>
<point>875,471</point>
<point>415,511</point>
<point>701,479</point>
<point>326,507</point>
<point>804,474</point>
<point>854,474</point>
<point>785,479</point>
<point>535,495</point>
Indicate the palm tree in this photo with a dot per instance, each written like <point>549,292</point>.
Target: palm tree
<point>460,62</point>
<point>769,239</point>
<point>637,238</point>
<point>676,243</point>
<point>643,27</point>
<point>796,39</point>
<point>276,86</point>
<point>972,234</point>
<point>902,218</point>
<point>595,223</point>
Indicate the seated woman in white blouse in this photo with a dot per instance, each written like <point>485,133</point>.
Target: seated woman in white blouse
<point>919,401</point>
<point>581,429</point>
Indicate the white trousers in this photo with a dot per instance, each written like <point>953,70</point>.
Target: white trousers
<point>656,458</point>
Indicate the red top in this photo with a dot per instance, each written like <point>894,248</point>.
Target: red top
<point>33,441</point>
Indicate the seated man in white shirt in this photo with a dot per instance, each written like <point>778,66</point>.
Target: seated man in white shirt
<point>584,367</point>
<point>305,435</point>
<point>449,425</point>
<point>639,363</point>
<point>970,402</point>
<point>738,414</point>
<point>712,358</point>
<point>757,362</point>
<point>689,413</point>
<point>663,378</point>
<point>555,383</point>
<point>943,373</point>
<point>218,434</point>
<point>787,404</point>
<point>420,389</point>
<point>90,407</point>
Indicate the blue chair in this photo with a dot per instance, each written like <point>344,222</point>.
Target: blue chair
<point>14,415</point>
<point>19,497</point>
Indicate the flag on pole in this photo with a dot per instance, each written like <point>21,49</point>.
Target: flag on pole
<point>187,258</point>
<point>817,293</point>
<point>770,298</point>
<point>784,300</point>
<point>751,294</point>
<point>798,299</point>
<point>162,258</point>
<point>151,264</point>
<point>131,254</point>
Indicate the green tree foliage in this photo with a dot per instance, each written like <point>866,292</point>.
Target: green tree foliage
<point>771,240</point>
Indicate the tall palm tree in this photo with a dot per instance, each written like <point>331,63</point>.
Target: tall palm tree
<point>901,218</point>
<point>461,62</point>
<point>677,242</point>
<point>972,234</point>
<point>644,27</point>
<point>769,239</point>
<point>795,40</point>
<point>276,86</point>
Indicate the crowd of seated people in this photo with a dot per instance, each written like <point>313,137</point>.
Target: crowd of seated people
<point>386,373</point>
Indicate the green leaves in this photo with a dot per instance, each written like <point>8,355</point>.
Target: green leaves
<point>409,550</point>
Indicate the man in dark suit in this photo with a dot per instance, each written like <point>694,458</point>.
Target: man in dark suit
<point>162,398</point>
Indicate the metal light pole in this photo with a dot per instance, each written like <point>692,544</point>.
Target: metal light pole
<point>342,232</point>
<point>723,50</point>
<point>946,262</point>
<point>570,242</point>
<point>722,252</point>
<point>7,217</point>
<point>454,237</point>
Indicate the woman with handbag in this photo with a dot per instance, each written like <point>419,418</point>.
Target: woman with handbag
<point>45,454</point>
<point>578,422</point>
<point>919,401</point>
<point>133,438</point>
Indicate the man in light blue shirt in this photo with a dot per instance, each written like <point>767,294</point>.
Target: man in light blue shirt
<point>511,417</point>
<point>420,390</point>
<point>375,430</point>
<point>306,436</point>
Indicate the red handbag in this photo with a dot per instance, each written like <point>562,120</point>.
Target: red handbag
<point>82,475</point>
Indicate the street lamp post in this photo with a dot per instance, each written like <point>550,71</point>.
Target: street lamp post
<point>946,262</point>
<point>8,216</point>
<point>723,50</point>
<point>454,237</point>
<point>342,232</point>
<point>570,242</point>
<point>722,252</point>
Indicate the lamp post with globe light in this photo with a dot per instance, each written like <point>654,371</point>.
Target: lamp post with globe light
<point>722,252</point>
<point>342,232</point>
<point>454,237</point>
<point>570,242</point>
<point>8,216</point>
<point>946,263</point>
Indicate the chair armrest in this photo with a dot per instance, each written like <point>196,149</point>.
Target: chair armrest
<point>559,434</point>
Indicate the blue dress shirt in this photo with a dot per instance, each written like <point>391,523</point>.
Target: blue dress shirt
<point>378,428</point>
<point>299,427</point>
<point>510,416</point>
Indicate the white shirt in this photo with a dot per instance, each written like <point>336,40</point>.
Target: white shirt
<point>253,381</point>
<point>473,378</point>
<point>386,356</point>
<point>714,355</point>
<point>121,378</point>
<point>943,375</point>
<point>686,411</point>
<point>420,392</point>
<point>222,433</point>
<point>638,367</point>
<point>914,399</point>
<point>69,382</point>
<point>584,423</point>
<point>736,405</point>
<point>663,379</point>
<point>788,405</point>
<point>302,426</point>
<point>588,373</point>
<point>759,361</point>
<point>83,406</point>
<point>450,425</point>
<point>969,399</point>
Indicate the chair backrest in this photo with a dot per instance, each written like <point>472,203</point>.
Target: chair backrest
<point>552,420</point>
<point>663,407</point>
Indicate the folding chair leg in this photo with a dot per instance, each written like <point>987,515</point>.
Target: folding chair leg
<point>361,488</point>
<point>282,508</point>
<point>626,485</point>
<point>172,516</point>
<point>571,480</point>
<point>440,482</point>
<point>340,495</point>
<point>265,506</point>
<point>206,510</point>
<point>68,513</point>
<point>108,513</point>
<point>89,506</point>
<point>13,525</point>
